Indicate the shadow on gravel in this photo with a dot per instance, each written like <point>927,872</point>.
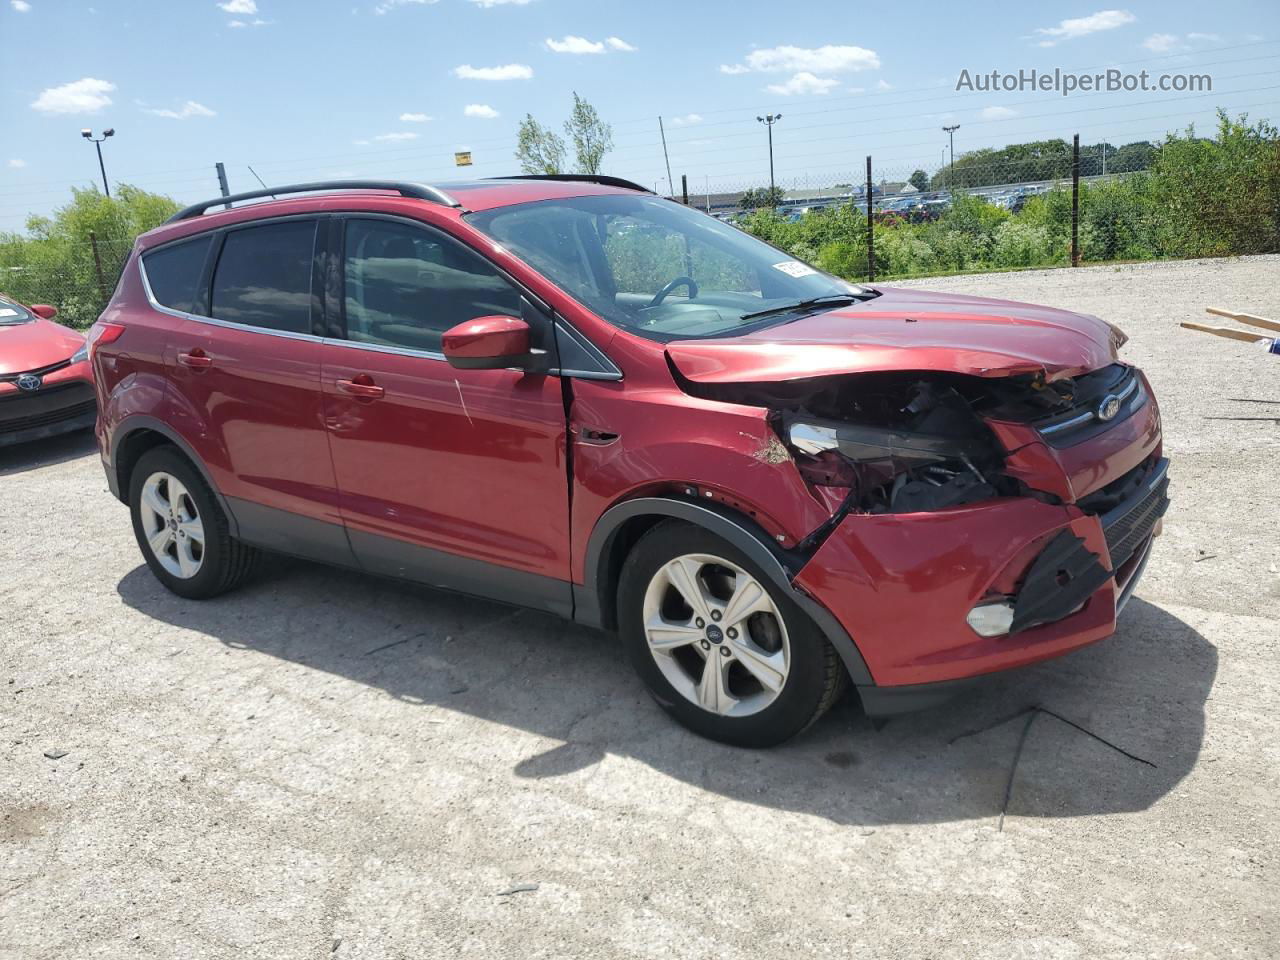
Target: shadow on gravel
<point>1143,690</point>
<point>21,457</point>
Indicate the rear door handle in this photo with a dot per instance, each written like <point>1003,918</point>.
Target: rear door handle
<point>361,387</point>
<point>196,359</point>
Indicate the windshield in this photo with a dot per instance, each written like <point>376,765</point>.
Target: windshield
<point>11,313</point>
<point>660,269</point>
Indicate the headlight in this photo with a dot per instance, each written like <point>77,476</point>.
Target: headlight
<point>861,443</point>
<point>82,354</point>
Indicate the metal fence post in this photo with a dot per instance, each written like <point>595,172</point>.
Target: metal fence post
<point>871,233</point>
<point>1075,201</point>
<point>222,182</point>
<point>684,188</point>
<point>97,266</point>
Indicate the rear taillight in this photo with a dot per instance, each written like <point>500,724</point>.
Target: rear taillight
<point>102,332</point>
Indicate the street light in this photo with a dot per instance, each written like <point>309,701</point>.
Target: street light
<point>769,119</point>
<point>88,135</point>
<point>951,134</point>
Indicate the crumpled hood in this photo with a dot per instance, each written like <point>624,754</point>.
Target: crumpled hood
<point>40,343</point>
<point>906,330</point>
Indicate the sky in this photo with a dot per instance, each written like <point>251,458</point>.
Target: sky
<point>392,88</point>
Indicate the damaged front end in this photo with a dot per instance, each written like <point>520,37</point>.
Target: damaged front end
<point>961,544</point>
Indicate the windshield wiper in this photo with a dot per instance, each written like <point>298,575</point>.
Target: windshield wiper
<point>830,300</point>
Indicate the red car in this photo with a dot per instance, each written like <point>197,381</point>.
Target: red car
<point>569,394</point>
<point>45,387</point>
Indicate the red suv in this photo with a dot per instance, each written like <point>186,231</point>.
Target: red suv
<point>569,394</point>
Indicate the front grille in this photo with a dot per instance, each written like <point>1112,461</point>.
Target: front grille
<point>1081,421</point>
<point>46,407</point>
<point>1129,525</point>
<point>40,371</point>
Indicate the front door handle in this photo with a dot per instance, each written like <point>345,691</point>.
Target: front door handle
<point>196,359</point>
<point>362,387</point>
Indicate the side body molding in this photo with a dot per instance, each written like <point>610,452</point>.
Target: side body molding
<point>737,530</point>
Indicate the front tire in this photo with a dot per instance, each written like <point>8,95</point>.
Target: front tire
<point>181,530</point>
<point>719,646</point>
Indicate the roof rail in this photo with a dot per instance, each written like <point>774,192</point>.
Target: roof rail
<point>581,178</point>
<point>418,191</point>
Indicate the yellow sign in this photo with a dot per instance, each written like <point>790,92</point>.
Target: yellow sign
<point>462,159</point>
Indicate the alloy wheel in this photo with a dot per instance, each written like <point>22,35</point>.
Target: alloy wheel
<point>172,525</point>
<point>716,635</point>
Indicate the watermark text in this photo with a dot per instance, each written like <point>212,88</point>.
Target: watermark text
<point>1061,81</point>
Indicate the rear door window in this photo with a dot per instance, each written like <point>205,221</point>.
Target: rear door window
<point>174,272</point>
<point>263,277</point>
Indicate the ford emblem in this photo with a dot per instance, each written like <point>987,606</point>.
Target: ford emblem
<point>1108,408</point>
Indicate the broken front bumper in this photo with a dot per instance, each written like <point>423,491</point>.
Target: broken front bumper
<point>903,585</point>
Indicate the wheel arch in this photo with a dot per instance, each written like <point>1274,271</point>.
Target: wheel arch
<point>618,529</point>
<point>135,437</point>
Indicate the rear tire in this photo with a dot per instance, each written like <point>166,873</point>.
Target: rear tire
<point>688,602</point>
<point>181,530</point>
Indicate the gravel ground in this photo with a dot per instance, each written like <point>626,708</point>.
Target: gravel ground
<point>326,765</point>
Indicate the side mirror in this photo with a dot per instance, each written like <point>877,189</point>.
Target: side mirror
<point>44,311</point>
<point>487,343</point>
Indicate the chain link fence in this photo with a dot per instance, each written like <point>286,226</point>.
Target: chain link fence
<point>1054,204</point>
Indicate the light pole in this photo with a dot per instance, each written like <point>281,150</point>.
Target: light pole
<point>769,119</point>
<point>951,135</point>
<point>88,135</point>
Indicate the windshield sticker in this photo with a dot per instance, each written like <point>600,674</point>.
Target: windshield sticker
<point>8,312</point>
<point>794,268</point>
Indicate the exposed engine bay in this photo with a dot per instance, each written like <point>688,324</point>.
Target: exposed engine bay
<point>904,442</point>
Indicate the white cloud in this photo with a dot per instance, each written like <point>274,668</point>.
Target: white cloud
<point>510,71</point>
<point>1161,42</point>
<point>481,110</point>
<point>414,118</point>
<point>812,60</point>
<point>617,43</point>
<point>500,3</point>
<point>688,120</point>
<point>243,23</point>
<point>733,69</point>
<point>22,7</point>
<point>388,5</point>
<point>802,84</point>
<point>17,164</point>
<point>572,44</point>
<point>80,96</point>
<point>246,7</point>
<point>1172,43</point>
<point>1083,26</point>
<point>998,113</point>
<point>361,143</point>
<point>883,85</point>
<point>395,137</point>
<point>188,109</point>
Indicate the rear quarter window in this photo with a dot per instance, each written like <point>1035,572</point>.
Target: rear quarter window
<point>174,272</point>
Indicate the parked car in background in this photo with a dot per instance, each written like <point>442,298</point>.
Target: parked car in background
<point>45,386</point>
<point>569,394</point>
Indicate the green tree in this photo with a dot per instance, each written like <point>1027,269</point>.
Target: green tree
<point>55,262</point>
<point>761,198</point>
<point>539,149</point>
<point>919,180</point>
<point>592,137</point>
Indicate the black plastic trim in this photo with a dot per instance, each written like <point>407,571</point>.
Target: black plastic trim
<point>416,191</point>
<point>402,560</point>
<point>603,180</point>
<point>737,530</point>
<point>130,425</point>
